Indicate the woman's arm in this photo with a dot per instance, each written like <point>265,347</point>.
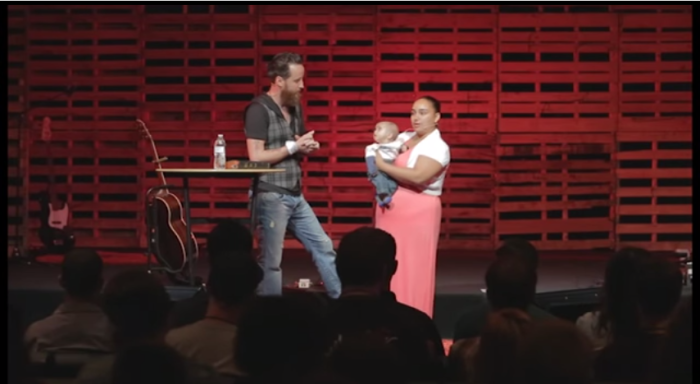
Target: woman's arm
<point>424,170</point>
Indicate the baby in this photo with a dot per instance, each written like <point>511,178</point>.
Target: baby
<point>389,146</point>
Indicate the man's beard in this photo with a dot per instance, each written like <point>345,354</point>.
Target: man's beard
<point>290,99</point>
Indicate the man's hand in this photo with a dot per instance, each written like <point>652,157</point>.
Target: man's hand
<point>306,143</point>
<point>305,140</point>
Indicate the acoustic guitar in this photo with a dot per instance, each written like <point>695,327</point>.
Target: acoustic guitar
<point>170,231</point>
<point>54,213</point>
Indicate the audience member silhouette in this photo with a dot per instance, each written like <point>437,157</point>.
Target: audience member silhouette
<point>280,340</point>
<point>510,284</point>
<point>137,305</point>
<point>149,363</point>
<point>367,311</point>
<point>228,239</point>
<point>658,283</point>
<point>674,359</point>
<point>496,352</point>
<point>231,285</point>
<point>554,352</point>
<point>472,321</point>
<point>618,313</point>
<point>78,324</point>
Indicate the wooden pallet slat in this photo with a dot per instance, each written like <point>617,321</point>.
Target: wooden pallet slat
<point>654,199</point>
<point>569,125</point>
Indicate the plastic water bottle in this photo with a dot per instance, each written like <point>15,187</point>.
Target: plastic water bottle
<point>220,153</point>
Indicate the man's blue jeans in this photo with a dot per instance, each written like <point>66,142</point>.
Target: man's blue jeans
<point>276,213</point>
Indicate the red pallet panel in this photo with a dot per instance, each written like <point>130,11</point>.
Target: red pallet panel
<point>443,55</point>
<point>193,68</point>
<point>556,189</point>
<point>16,143</point>
<point>557,72</point>
<point>468,199</point>
<point>656,71</point>
<point>87,61</point>
<point>660,9</point>
<point>189,58</point>
<point>654,192</point>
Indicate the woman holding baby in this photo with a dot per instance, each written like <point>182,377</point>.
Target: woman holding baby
<point>414,216</point>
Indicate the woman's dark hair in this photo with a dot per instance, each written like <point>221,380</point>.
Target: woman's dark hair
<point>435,103</point>
<point>618,307</point>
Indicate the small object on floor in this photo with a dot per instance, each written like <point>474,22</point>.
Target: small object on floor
<point>304,283</point>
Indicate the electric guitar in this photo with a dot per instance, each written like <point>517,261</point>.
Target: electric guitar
<point>54,215</point>
<point>169,225</point>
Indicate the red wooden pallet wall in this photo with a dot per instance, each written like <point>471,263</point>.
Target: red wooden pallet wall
<point>569,125</point>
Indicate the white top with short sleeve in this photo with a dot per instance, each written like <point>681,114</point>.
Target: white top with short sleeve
<point>434,147</point>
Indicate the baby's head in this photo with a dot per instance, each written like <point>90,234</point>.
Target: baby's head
<point>385,132</point>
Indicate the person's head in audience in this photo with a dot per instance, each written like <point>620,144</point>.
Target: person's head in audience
<point>280,338</point>
<point>519,248</point>
<point>366,259</point>
<point>496,357</point>
<point>149,363</point>
<point>658,287</point>
<point>618,312</point>
<point>554,351</point>
<point>510,283</point>
<point>137,305</point>
<point>229,238</point>
<point>230,285</point>
<point>674,364</point>
<point>81,274</point>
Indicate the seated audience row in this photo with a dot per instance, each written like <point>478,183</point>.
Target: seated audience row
<point>129,331</point>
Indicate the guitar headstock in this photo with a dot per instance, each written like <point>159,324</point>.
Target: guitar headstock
<point>46,129</point>
<point>143,129</point>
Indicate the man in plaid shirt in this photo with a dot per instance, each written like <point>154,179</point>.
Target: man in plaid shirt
<point>275,133</point>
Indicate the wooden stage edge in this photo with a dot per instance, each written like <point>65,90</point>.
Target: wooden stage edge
<point>573,255</point>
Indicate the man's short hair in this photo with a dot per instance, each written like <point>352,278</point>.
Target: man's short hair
<point>364,255</point>
<point>279,65</point>
<point>81,273</point>
<point>519,248</point>
<point>229,237</point>
<point>510,283</point>
<point>234,280</point>
<point>136,303</point>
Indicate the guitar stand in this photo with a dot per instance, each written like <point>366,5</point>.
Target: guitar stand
<point>180,277</point>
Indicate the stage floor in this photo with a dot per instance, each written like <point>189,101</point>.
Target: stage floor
<point>456,274</point>
<point>459,280</point>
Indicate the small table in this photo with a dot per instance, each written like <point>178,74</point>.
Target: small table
<point>187,173</point>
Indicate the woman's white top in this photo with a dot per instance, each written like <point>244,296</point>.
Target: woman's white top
<point>434,147</point>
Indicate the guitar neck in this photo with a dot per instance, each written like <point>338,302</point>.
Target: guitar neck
<point>156,159</point>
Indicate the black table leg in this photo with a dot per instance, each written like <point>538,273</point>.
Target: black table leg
<point>188,224</point>
<point>253,199</point>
